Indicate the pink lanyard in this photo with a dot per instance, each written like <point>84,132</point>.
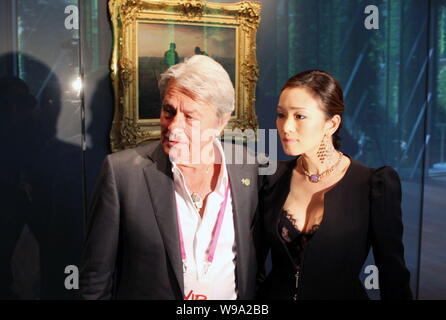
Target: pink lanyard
<point>216,233</point>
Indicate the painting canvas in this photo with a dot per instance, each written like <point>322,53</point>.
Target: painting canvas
<point>163,45</point>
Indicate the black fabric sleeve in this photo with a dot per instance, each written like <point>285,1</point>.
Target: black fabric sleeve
<point>101,243</point>
<point>386,234</point>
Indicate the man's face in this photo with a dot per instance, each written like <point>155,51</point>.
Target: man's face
<point>188,126</point>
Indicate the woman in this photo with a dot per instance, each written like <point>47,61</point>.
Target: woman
<point>322,211</point>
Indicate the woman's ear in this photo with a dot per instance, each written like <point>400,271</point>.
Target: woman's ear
<point>333,124</point>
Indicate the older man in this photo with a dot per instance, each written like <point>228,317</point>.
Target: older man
<point>172,219</point>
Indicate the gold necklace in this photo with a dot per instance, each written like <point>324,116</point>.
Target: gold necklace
<point>196,199</point>
<point>315,178</point>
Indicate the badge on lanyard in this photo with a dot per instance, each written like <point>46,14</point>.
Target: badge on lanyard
<point>201,289</point>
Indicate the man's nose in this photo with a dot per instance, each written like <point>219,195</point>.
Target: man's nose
<point>177,121</point>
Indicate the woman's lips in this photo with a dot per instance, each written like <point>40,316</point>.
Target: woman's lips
<point>288,140</point>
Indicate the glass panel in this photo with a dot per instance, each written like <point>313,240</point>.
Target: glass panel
<point>41,179</point>
<point>98,93</point>
<point>433,257</point>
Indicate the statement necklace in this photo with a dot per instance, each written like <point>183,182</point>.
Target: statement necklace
<point>315,178</point>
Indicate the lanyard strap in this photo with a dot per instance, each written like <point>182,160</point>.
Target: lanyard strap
<point>215,233</point>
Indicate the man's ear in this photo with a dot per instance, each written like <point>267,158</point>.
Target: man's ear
<point>223,121</point>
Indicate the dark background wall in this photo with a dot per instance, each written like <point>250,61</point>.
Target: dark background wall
<point>41,181</point>
<point>394,81</point>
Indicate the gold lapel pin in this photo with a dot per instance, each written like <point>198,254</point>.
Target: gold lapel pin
<point>246,181</point>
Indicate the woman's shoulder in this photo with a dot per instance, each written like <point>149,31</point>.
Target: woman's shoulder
<point>385,181</point>
<point>382,172</point>
<point>384,177</point>
<point>357,173</point>
<point>283,170</point>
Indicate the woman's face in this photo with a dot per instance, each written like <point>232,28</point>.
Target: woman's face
<point>301,122</point>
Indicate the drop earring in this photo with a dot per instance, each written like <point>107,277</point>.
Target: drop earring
<point>325,150</point>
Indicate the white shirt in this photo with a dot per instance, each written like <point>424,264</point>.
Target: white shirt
<point>219,281</point>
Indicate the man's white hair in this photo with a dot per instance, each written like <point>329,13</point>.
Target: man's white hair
<point>205,78</point>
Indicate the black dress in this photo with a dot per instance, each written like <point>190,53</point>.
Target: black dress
<point>361,211</point>
<point>295,241</point>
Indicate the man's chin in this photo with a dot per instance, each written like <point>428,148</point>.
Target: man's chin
<point>178,152</point>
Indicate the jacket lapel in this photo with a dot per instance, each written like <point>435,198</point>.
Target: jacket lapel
<point>159,179</point>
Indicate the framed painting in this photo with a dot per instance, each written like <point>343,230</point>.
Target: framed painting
<point>150,36</point>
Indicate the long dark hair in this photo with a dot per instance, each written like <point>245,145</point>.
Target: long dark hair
<point>325,87</point>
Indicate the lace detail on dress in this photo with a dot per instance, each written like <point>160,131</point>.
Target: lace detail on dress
<point>294,239</point>
<point>286,228</point>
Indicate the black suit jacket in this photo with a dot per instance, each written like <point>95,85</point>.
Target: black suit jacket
<point>361,211</point>
<point>132,248</point>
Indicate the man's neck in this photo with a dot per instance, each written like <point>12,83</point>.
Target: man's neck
<point>202,166</point>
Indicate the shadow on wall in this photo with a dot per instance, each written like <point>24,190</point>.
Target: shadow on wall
<point>41,223</point>
<point>99,116</point>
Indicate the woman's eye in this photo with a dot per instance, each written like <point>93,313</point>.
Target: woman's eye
<point>279,115</point>
<point>300,117</point>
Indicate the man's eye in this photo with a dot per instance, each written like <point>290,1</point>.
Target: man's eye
<point>168,113</point>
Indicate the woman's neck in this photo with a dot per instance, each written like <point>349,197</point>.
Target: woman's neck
<point>313,164</point>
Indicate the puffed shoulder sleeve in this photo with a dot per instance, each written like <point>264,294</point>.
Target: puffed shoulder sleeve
<point>387,233</point>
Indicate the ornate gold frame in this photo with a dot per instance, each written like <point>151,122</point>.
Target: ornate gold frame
<point>127,129</point>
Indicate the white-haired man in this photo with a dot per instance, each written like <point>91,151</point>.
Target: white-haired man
<point>173,219</point>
